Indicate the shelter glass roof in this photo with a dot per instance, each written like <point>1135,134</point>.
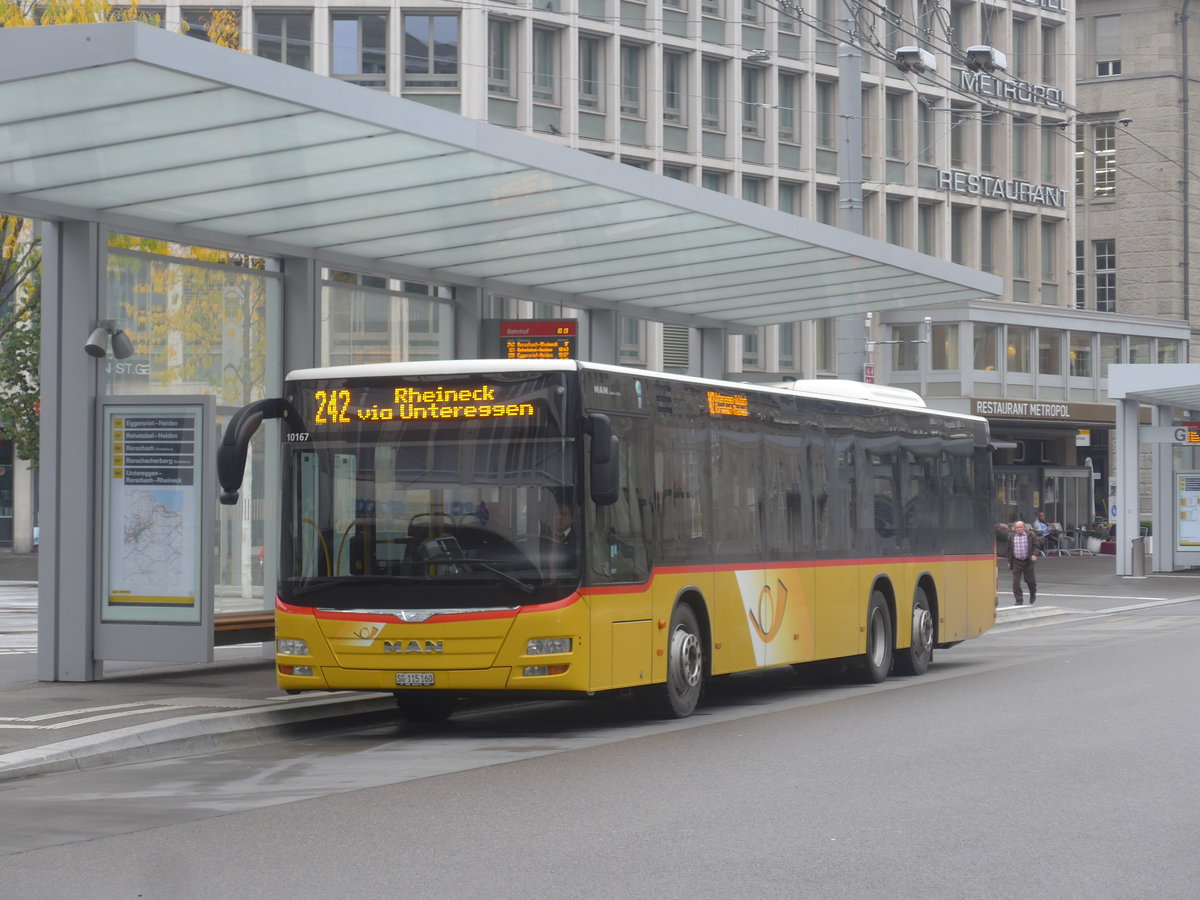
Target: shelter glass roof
<point>152,132</point>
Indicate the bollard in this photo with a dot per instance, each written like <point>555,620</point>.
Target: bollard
<point>1138,567</point>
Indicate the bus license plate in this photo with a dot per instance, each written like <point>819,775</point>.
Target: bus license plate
<point>414,679</point>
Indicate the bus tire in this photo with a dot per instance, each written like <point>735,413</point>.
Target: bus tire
<point>915,659</point>
<point>876,662</point>
<point>678,696</point>
<point>426,706</point>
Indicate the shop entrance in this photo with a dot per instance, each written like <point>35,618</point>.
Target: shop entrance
<point>1063,493</point>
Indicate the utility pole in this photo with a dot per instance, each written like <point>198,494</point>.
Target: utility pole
<point>851,334</point>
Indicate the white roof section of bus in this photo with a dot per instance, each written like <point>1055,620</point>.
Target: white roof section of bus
<point>152,132</point>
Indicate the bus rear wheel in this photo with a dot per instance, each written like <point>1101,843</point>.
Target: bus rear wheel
<point>915,659</point>
<point>876,662</point>
<point>678,696</point>
<point>426,706</point>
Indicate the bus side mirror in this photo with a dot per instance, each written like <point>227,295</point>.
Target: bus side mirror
<point>605,471</point>
<point>231,454</point>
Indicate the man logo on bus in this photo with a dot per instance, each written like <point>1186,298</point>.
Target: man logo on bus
<point>413,647</point>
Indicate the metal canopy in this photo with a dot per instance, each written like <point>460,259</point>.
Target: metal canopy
<point>152,132</point>
<point>1161,384</point>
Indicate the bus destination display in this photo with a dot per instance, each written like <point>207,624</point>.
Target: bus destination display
<point>367,404</point>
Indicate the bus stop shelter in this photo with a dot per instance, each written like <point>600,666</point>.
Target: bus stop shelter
<point>124,127</point>
<point>1166,389</point>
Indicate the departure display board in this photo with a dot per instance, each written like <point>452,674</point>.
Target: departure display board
<point>530,338</point>
<point>728,404</point>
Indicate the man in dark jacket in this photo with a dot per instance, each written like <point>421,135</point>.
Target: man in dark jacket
<point>1023,550</point>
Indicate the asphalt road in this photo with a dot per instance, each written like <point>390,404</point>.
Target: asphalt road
<point>1049,760</point>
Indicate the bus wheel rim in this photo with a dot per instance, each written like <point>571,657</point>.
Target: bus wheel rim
<point>686,659</point>
<point>922,633</point>
<point>878,638</point>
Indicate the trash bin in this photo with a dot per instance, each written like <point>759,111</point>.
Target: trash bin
<point>1138,566</point>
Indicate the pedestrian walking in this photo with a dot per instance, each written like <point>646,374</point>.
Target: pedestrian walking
<point>1022,554</point>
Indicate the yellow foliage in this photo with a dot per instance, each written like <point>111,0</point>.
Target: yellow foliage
<point>223,26</point>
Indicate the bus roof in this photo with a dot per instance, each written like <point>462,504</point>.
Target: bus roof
<point>822,388</point>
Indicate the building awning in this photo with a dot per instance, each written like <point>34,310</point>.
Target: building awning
<point>151,132</point>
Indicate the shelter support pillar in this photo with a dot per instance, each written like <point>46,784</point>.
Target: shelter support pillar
<point>301,315</point>
<point>68,588</point>
<point>468,314</point>
<point>603,336</point>
<point>1163,519</point>
<point>713,347</point>
<point>1127,483</point>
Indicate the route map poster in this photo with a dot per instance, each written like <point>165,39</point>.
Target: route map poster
<point>154,456</point>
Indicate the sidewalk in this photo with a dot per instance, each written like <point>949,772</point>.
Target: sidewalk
<point>143,711</point>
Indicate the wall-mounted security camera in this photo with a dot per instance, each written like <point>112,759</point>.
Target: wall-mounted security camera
<point>986,59</point>
<point>914,59</point>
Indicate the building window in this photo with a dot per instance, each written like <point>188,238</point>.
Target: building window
<point>674,87</point>
<point>1168,351</point>
<point>198,22</point>
<point>986,340</point>
<point>905,357</point>
<point>827,129</point>
<point>789,359</point>
<point>1018,348</point>
<point>360,49</point>
<point>500,56</point>
<point>1050,54</point>
<point>431,52</point>
<point>711,8</point>
<point>824,344</point>
<point>1020,247</point>
<point>752,351</point>
<point>1050,145</point>
<point>895,214</point>
<point>944,348</point>
<point>960,233</point>
<point>632,56</point>
<point>713,181</point>
<point>712,76</point>
<point>591,72</point>
<point>827,206</point>
<point>1018,57</point>
<point>1108,46</point>
<point>752,100</point>
<point>632,350</point>
<point>1105,254</point>
<point>894,110</point>
<point>1110,352</point>
<point>1104,160</point>
<point>927,136</point>
<point>927,229</point>
<point>987,239</point>
<point>790,197</point>
<point>959,130</point>
<point>1049,351</point>
<point>1080,276</point>
<point>545,66</point>
<point>1139,350</point>
<point>789,107</point>
<point>988,126</point>
<point>1081,355</point>
<point>284,37</point>
<point>678,173</point>
<point>754,189</point>
<point>1020,150</point>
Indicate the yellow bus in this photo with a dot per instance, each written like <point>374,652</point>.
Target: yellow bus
<point>560,526</point>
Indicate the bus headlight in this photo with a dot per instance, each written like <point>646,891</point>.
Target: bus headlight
<point>542,646</point>
<point>291,647</point>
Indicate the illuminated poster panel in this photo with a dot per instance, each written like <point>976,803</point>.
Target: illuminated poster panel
<point>154,459</point>
<point>1187,526</point>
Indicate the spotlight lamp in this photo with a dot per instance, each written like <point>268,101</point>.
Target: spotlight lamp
<point>981,58</point>
<point>97,343</point>
<point>914,59</point>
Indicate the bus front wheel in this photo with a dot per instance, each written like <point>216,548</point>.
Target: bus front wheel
<point>877,660</point>
<point>678,696</point>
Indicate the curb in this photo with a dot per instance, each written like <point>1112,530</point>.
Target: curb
<point>185,735</point>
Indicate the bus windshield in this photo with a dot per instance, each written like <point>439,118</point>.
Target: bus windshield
<point>444,493</point>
